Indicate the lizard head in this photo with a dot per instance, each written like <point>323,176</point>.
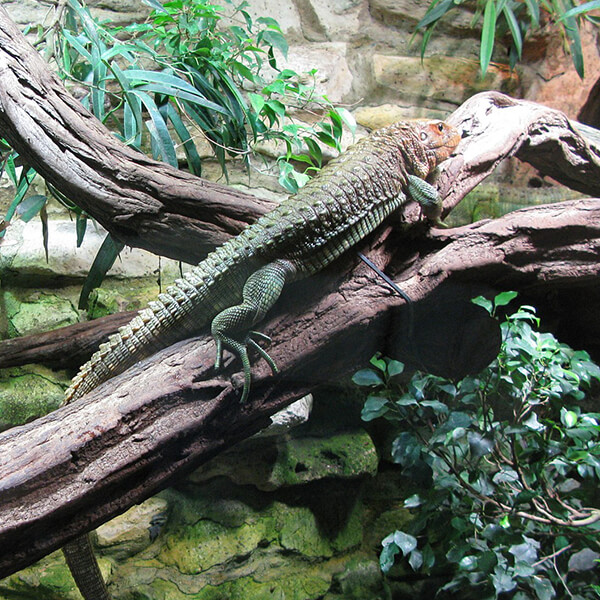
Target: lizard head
<point>438,140</point>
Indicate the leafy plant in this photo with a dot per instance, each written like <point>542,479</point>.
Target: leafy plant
<point>516,18</point>
<point>191,70</point>
<point>508,465</point>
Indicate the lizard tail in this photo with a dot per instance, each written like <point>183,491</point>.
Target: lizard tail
<point>184,309</point>
<point>84,568</point>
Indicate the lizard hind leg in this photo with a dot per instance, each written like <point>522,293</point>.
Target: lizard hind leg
<point>232,327</point>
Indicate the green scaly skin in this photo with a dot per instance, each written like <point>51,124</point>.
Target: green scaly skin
<point>237,284</point>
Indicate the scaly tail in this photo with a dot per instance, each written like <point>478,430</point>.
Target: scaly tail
<point>188,305</point>
<point>84,569</point>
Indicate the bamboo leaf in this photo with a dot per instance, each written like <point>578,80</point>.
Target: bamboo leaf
<point>170,85</point>
<point>515,30</point>
<point>581,9</point>
<point>158,130</point>
<point>533,8</point>
<point>30,207</point>
<point>487,35</point>
<point>435,12</point>
<point>193,158</point>
<point>105,259</point>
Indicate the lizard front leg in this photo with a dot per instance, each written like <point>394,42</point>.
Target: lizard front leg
<point>232,327</point>
<point>428,197</point>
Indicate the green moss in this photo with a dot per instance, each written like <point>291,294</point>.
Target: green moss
<point>27,393</point>
<point>207,544</point>
<point>48,579</point>
<point>342,455</point>
<point>36,312</point>
<point>102,303</point>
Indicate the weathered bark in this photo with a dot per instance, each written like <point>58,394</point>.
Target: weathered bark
<point>74,469</point>
<point>79,466</point>
<point>142,201</point>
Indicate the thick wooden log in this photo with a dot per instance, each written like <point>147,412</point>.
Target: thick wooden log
<point>81,465</point>
<point>70,471</point>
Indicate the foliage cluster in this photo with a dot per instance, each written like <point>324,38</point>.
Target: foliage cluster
<point>508,465</point>
<point>515,19</point>
<point>192,71</point>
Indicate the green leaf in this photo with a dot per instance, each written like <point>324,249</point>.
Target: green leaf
<point>374,408</point>
<point>276,39</point>
<point>30,207</point>
<point>437,9</point>
<point>413,501</point>
<point>568,418</point>
<point>170,85</point>
<point>503,582</point>
<point>581,9</point>
<point>406,449</point>
<point>378,363</point>
<point>80,227</point>
<point>367,377</point>
<point>158,130</point>
<point>193,158</point>
<point>533,423</point>
<point>526,552</point>
<point>484,303</point>
<point>504,298</point>
<point>388,554</point>
<point>543,588</point>
<point>515,30</point>
<point>415,560</point>
<point>394,368</point>
<point>533,8</point>
<point>488,33</point>
<point>102,263</point>
<point>407,543</point>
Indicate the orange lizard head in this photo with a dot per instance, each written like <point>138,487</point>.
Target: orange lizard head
<point>439,139</point>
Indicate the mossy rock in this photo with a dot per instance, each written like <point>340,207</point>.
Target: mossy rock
<point>297,459</point>
<point>36,312</point>
<point>29,392</point>
<point>48,579</point>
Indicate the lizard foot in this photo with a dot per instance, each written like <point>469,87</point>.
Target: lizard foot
<point>241,349</point>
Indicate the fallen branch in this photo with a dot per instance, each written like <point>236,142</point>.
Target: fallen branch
<point>85,463</point>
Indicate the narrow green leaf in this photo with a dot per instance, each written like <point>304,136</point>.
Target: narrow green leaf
<point>193,158</point>
<point>435,12</point>
<point>76,44</point>
<point>45,234</point>
<point>156,5</point>
<point>102,263</point>
<point>515,30</point>
<point>533,8</point>
<point>30,207</point>
<point>158,130</point>
<point>581,9</point>
<point>170,85</point>
<point>488,33</point>
<point>80,227</point>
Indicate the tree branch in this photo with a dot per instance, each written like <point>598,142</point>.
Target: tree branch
<point>83,464</point>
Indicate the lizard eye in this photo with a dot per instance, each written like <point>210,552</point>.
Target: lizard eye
<point>440,127</point>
